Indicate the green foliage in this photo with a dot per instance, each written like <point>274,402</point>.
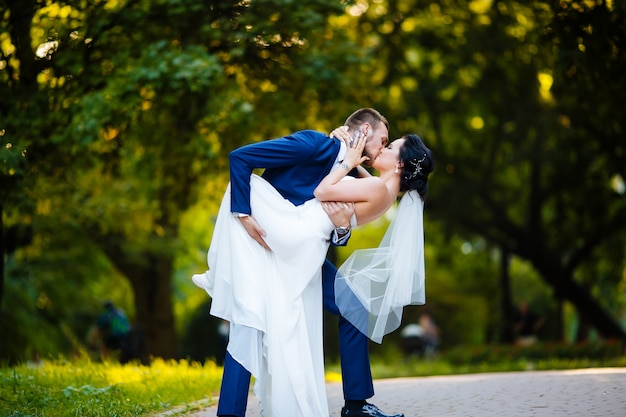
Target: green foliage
<point>121,113</point>
<point>12,159</point>
<point>593,352</point>
<point>464,359</point>
<point>129,112</point>
<point>43,316</point>
<point>526,157</point>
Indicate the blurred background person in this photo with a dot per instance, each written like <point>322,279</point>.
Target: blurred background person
<point>421,338</point>
<point>411,340</point>
<point>430,333</point>
<point>112,332</point>
<point>527,325</point>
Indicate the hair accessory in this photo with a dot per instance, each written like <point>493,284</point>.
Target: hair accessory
<point>418,168</point>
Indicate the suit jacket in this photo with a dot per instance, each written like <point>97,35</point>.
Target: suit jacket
<point>294,165</point>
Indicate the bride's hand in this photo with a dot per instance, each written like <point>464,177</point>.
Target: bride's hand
<point>354,149</point>
<point>341,133</point>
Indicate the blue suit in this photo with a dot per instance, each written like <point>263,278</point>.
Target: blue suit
<point>294,165</point>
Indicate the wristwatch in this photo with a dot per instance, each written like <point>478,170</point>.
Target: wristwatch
<point>342,231</point>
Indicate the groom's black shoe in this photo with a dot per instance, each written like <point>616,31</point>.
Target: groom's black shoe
<point>367,410</point>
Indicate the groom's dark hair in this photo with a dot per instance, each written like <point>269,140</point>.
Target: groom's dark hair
<point>366,115</point>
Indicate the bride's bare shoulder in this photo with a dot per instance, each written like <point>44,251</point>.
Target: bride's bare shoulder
<point>373,184</point>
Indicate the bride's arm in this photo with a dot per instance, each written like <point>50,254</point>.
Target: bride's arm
<point>367,189</point>
<point>351,159</point>
<point>357,190</point>
<point>363,173</point>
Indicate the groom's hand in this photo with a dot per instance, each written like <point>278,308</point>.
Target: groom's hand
<point>339,212</point>
<point>254,230</point>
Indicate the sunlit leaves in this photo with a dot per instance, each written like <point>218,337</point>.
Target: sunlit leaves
<point>132,111</point>
<point>164,66</point>
<point>12,157</point>
<point>480,6</point>
<point>514,98</point>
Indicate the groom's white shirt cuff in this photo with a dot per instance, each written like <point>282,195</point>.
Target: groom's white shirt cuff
<point>340,240</point>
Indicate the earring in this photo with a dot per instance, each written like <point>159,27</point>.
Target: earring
<point>397,168</point>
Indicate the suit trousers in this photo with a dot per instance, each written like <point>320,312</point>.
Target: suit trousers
<point>353,351</point>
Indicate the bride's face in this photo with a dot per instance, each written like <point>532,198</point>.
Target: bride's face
<point>389,157</point>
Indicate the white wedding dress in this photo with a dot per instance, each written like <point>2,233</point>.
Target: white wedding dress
<point>273,300</point>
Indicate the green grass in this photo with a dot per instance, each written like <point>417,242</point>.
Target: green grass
<point>83,388</point>
<point>106,389</point>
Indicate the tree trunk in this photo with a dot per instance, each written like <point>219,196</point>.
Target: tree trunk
<point>583,330</point>
<point>506,312</point>
<point>3,254</point>
<point>150,275</point>
<point>565,288</point>
<point>153,305</point>
<point>560,323</point>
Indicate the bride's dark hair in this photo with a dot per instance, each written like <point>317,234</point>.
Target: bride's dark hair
<point>418,163</point>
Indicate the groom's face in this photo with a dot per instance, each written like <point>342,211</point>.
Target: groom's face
<point>377,139</point>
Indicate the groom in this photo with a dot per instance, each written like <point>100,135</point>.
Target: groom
<point>295,165</point>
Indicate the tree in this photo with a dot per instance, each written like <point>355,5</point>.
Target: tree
<point>126,108</point>
<point>519,101</point>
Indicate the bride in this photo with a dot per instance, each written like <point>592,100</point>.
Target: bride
<point>272,298</point>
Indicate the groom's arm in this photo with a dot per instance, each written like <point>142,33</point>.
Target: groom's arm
<point>340,213</point>
<point>281,152</point>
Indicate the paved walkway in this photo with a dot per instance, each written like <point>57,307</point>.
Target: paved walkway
<point>586,392</point>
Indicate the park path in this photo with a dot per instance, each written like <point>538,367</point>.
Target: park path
<point>597,392</point>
